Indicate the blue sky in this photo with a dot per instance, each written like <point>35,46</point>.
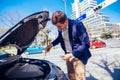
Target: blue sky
<point>28,7</point>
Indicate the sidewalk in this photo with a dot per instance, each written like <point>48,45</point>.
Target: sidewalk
<point>104,67</point>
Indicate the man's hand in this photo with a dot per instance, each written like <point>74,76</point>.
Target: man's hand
<point>48,48</point>
<point>66,57</point>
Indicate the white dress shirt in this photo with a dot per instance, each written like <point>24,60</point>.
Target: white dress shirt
<point>66,40</point>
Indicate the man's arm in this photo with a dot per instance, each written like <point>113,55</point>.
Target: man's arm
<point>57,40</point>
<point>54,43</point>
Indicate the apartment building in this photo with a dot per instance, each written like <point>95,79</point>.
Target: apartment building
<point>97,23</point>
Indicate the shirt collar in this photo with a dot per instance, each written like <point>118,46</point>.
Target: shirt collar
<point>65,28</point>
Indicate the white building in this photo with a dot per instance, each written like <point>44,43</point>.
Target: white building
<point>94,23</point>
<point>76,12</point>
<point>114,29</point>
<point>79,8</point>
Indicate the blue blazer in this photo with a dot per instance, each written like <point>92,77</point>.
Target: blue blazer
<point>79,40</point>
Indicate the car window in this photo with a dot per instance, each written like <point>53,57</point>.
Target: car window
<point>95,40</point>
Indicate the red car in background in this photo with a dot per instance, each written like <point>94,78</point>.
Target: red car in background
<point>96,43</point>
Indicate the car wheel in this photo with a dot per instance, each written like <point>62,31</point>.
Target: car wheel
<point>104,45</point>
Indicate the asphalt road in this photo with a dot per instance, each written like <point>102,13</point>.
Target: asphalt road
<point>103,65</point>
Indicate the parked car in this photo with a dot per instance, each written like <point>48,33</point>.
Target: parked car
<point>15,41</point>
<point>96,43</point>
<point>33,49</point>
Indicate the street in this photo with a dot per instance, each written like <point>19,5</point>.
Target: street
<point>103,65</point>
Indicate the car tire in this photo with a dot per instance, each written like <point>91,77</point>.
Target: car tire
<point>104,45</point>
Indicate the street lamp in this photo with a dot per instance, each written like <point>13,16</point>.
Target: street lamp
<point>65,6</point>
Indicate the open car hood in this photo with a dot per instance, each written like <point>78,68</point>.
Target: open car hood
<point>23,33</point>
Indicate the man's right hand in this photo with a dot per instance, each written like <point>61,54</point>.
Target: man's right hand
<point>48,48</point>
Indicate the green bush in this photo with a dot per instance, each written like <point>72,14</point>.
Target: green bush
<point>106,35</point>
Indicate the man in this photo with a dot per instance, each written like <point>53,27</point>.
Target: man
<point>74,41</point>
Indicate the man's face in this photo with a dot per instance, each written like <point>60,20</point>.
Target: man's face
<point>62,26</point>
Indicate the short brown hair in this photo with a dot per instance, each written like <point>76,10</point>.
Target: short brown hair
<point>58,17</point>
